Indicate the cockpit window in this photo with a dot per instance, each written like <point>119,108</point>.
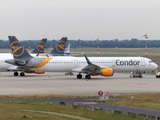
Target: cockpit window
<point>150,62</point>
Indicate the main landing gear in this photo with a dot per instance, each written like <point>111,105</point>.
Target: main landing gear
<point>136,75</point>
<point>79,76</point>
<point>88,77</point>
<point>21,74</point>
<point>16,73</point>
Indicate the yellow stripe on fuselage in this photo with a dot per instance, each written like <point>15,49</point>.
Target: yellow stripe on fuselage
<point>40,55</point>
<point>44,62</point>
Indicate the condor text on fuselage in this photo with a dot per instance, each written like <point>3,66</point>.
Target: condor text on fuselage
<point>127,63</point>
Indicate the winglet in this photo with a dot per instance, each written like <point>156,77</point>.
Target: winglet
<point>18,51</point>
<point>59,48</point>
<point>40,47</point>
<point>88,61</point>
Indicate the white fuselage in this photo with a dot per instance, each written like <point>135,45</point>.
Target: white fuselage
<point>75,64</point>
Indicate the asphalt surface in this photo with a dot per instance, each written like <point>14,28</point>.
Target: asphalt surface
<point>59,83</point>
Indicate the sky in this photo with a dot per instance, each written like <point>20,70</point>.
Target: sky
<point>80,19</point>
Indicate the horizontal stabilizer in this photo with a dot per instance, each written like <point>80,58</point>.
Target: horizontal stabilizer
<point>15,62</point>
<point>20,62</point>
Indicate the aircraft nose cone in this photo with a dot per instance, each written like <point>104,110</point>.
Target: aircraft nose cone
<point>155,66</point>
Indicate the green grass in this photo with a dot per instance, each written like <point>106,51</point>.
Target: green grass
<point>44,110</point>
<point>146,100</point>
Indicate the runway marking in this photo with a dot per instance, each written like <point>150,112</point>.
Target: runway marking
<point>144,84</point>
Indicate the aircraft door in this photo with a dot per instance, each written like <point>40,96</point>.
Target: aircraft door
<point>113,63</point>
<point>143,62</point>
<point>75,63</point>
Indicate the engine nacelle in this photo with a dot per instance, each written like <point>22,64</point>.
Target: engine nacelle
<point>35,71</point>
<point>107,72</point>
<point>94,74</point>
<point>39,72</point>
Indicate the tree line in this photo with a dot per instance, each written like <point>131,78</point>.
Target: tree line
<point>133,43</point>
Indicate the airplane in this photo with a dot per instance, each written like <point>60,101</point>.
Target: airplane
<point>40,47</point>
<point>8,67</point>
<point>59,48</point>
<point>68,50</point>
<point>104,66</point>
<point>57,51</point>
<point>37,52</point>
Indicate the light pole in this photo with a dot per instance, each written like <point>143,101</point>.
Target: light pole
<point>146,37</point>
<point>98,46</point>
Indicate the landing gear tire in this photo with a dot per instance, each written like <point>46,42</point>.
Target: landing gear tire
<point>22,74</point>
<point>88,77</point>
<point>16,73</point>
<point>79,76</point>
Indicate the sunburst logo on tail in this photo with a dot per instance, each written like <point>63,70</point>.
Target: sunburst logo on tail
<point>17,50</point>
<point>41,47</point>
<point>61,46</point>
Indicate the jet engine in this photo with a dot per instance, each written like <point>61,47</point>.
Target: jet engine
<point>107,72</point>
<point>35,71</point>
<point>104,72</point>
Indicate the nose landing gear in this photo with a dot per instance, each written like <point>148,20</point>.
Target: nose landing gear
<point>136,75</point>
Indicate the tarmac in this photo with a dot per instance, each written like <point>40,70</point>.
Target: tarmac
<point>59,83</point>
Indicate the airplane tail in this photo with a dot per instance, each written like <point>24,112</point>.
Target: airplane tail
<point>59,48</point>
<point>40,47</point>
<point>68,50</point>
<point>18,51</point>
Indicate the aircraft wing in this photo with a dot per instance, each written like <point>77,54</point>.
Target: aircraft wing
<point>90,68</point>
